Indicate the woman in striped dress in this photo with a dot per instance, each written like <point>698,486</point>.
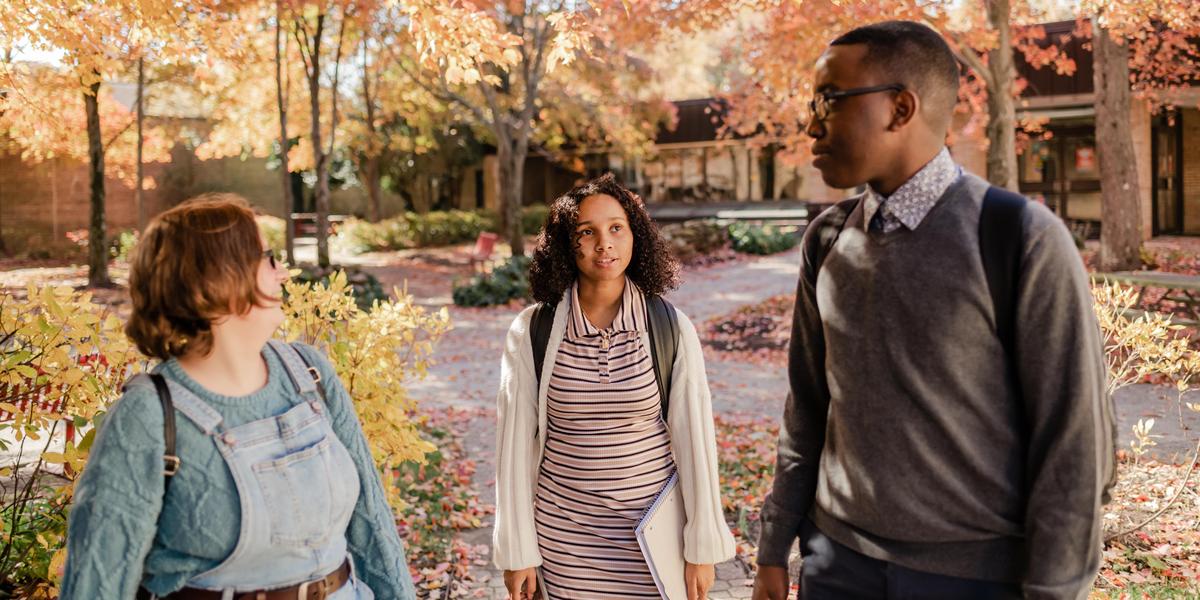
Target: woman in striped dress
<point>584,451</point>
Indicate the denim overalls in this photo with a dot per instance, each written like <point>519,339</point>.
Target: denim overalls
<point>297,486</point>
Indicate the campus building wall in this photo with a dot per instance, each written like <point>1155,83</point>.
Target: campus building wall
<point>41,202</point>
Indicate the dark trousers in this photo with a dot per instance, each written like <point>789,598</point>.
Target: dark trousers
<point>831,571</point>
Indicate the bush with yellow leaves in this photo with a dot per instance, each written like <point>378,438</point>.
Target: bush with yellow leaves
<point>63,361</point>
<point>70,356</point>
<point>1140,344</point>
<point>374,353</point>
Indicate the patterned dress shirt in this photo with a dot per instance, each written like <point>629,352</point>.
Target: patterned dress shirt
<point>909,204</point>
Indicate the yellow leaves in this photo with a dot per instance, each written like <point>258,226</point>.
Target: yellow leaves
<point>1143,440</point>
<point>58,564</point>
<point>571,37</point>
<point>54,458</point>
<point>374,353</point>
<point>65,359</point>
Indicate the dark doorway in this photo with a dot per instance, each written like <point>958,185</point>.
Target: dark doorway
<point>1167,154</point>
<point>1064,173</point>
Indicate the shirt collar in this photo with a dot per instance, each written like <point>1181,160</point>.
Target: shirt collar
<point>916,197</point>
<point>631,316</point>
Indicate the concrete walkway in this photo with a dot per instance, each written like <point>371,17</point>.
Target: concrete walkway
<point>469,365</point>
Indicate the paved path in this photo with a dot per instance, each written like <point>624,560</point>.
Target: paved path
<point>469,366</point>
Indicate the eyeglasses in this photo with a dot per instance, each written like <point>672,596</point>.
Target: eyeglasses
<point>270,256</point>
<point>822,102</point>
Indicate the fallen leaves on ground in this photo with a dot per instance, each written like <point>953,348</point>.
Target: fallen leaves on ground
<point>756,333</point>
<point>442,500</point>
<point>1163,557</point>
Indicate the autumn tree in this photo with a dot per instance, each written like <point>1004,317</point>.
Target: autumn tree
<point>99,40</point>
<point>769,94</point>
<point>558,73</point>
<point>1143,50</point>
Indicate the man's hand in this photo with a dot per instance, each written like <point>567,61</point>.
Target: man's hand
<point>522,583</point>
<point>698,579</point>
<point>771,583</point>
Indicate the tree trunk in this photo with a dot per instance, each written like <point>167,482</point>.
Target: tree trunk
<point>1002,114</point>
<point>374,171</point>
<point>285,176</point>
<point>1120,232</point>
<point>511,158</point>
<point>138,195</point>
<point>97,239</point>
<point>372,168</point>
<point>320,158</point>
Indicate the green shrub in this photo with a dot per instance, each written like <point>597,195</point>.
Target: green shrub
<point>39,532</point>
<point>364,286</point>
<point>692,239</point>
<point>413,230</point>
<point>507,282</point>
<point>436,228</point>
<point>533,218</point>
<point>443,228</point>
<point>120,246</point>
<point>762,239</point>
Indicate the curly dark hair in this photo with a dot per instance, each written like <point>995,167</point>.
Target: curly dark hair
<point>652,267</point>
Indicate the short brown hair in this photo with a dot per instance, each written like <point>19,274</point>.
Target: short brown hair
<point>194,263</point>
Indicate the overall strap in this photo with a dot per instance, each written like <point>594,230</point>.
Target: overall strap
<point>183,400</point>
<point>539,334</point>
<point>304,376</point>
<point>1001,238</point>
<point>316,375</point>
<point>664,342</point>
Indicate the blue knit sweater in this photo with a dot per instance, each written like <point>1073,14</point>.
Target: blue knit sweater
<point>116,541</point>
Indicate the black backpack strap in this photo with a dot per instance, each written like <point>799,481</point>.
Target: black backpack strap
<point>170,459</point>
<point>826,236</point>
<point>1001,238</point>
<point>664,343</point>
<point>539,334</point>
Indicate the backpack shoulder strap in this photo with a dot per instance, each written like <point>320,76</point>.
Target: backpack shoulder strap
<point>539,334</point>
<point>1001,237</point>
<point>664,344</point>
<point>170,458</point>
<point>823,239</point>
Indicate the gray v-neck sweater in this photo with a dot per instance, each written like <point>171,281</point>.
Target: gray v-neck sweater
<point>910,438</point>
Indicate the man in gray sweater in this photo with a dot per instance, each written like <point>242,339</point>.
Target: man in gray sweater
<point>923,453</point>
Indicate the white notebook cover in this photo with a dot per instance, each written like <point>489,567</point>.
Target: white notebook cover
<point>660,534</point>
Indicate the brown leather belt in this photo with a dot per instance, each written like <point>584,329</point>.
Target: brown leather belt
<point>317,589</point>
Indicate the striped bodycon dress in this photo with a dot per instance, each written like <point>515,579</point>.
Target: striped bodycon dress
<point>607,456</point>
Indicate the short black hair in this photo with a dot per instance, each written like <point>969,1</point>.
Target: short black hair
<point>917,56</point>
<point>652,267</point>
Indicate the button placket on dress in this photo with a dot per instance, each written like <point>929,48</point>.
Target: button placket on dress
<point>605,344</point>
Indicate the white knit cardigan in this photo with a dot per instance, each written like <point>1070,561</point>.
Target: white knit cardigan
<point>521,439</point>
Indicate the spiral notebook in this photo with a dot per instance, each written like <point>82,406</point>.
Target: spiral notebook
<point>660,535</point>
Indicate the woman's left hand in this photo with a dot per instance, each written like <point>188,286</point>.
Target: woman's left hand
<point>698,579</point>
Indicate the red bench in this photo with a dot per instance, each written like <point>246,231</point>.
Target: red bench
<point>485,247</point>
<point>24,398</point>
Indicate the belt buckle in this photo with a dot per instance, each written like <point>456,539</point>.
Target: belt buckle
<point>320,588</point>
